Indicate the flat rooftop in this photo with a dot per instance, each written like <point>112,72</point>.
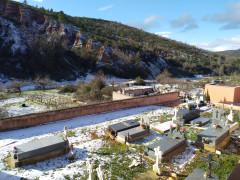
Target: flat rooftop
<point>138,87</point>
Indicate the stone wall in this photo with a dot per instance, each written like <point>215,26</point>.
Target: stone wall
<point>46,117</point>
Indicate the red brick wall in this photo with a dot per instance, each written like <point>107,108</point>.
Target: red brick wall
<point>45,117</point>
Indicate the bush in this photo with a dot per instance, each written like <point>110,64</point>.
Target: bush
<point>68,89</point>
<point>139,81</point>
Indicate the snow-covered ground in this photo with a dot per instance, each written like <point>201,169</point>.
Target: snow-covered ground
<point>13,106</point>
<point>84,146</point>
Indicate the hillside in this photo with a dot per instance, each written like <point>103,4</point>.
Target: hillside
<point>231,53</point>
<point>37,42</point>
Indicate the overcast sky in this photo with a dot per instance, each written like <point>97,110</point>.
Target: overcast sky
<point>209,24</point>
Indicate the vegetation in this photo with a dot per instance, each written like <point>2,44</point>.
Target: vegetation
<point>130,45</point>
<point>224,164</point>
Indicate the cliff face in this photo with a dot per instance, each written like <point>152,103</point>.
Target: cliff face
<point>21,27</point>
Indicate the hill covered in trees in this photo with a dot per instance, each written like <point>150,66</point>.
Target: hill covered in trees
<point>38,42</point>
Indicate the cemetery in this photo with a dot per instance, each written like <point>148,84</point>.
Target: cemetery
<point>155,141</point>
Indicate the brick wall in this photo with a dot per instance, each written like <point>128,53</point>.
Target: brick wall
<point>46,117</point>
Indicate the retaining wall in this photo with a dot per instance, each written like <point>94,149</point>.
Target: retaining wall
<point>46,117</point>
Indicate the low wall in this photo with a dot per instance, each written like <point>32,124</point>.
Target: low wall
<point>46,117</point>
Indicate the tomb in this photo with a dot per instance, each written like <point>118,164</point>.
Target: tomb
<point>235,173</point>
<point>201,121</point>
<point>186,115</point>
<point>169,147</point>
<point>200,174</point>
<point>163,127</point>
<point>114,129</point>
<point>39,150</point>
<point>214,138</point>
<point>132,134</point>
<point>217,136</point>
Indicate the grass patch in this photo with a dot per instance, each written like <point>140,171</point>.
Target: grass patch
<point>225,164</point>
<point>71,133</point>
<point>113,148</point>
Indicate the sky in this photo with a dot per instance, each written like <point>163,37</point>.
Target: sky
<point>209,24</point>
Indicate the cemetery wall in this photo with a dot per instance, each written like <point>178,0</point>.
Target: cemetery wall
<point>46,117</point>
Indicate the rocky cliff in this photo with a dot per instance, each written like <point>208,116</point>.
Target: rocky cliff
<point>38,42</point>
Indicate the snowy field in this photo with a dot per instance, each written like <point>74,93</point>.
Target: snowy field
<point>13,107</point>
<point>85,147</point>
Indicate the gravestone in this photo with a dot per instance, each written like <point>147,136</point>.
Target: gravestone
<point>100,172</point>
<point>156,166</point>
<point>90,170</point>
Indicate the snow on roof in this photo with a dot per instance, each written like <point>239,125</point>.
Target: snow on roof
<point>137,87</point>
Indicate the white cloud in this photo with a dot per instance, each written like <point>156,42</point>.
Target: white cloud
<point>185,22</point>
<point>221,44</point>
<point>165,34</point>
<point>105,8</point>
<point>150,20</point>
<point>230,18</point>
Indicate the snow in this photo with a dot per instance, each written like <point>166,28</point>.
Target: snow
<point>84,147</point>
<point>11,101</point>
<point>163,127</point>
<point>13,107</point>
<point>183,159</point>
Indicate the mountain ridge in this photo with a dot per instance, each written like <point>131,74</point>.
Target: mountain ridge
<point>40,42</point>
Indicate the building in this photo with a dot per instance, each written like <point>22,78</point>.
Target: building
<point>214,138</point>
<point>170,147</point>
<point>114,129</point>
<point>223,94</point>
<point>131,92</point>
<point>39,150</point>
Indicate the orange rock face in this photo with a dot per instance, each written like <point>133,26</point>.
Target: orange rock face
<point>12,10</point>
<point>2,6</point>
<point>78,43</point>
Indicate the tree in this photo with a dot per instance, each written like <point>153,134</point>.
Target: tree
<point>207,96</point>
<point>164,77</point>
<point>25,2</point>
<point>42,82</point>
<point>139,81</point>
